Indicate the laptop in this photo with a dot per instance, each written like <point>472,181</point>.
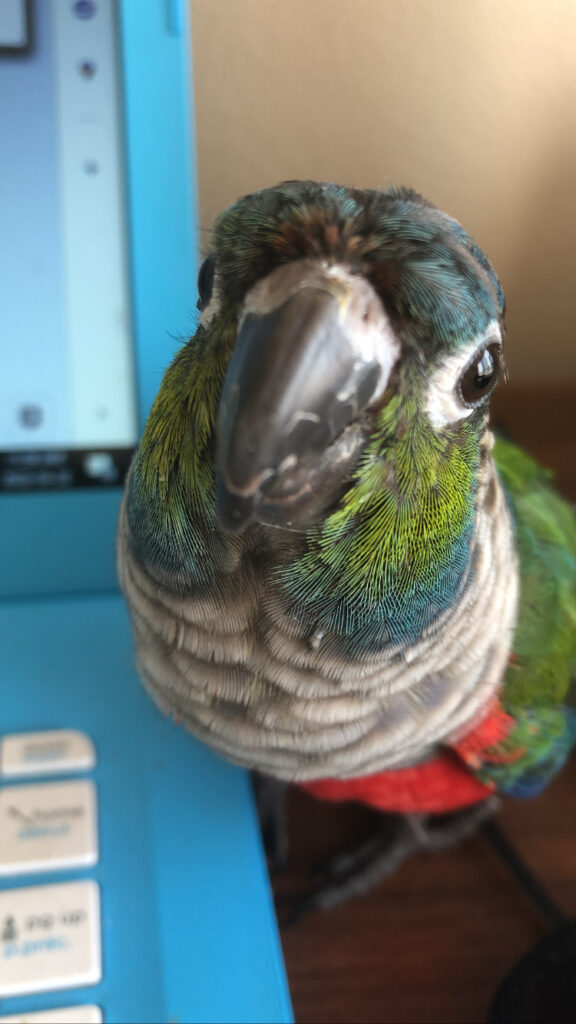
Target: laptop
<point>133,885</point>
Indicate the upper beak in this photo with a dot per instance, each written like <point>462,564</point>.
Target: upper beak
<point>313,351</point>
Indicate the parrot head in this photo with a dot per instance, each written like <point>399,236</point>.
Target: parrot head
<point>365,322</point>
<point>333,406</point>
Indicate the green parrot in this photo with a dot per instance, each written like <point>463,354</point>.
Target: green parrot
<point>335,576</point>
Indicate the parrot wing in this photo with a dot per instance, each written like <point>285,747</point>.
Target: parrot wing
<point>538,689</point>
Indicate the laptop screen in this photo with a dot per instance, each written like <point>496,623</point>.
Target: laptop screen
<point>68,413</point>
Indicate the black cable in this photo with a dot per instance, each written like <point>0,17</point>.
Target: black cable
<point>532,887</point>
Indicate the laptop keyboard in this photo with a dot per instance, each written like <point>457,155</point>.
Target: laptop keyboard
<point>50,933</point>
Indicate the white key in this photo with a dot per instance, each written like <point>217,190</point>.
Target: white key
<point>64,1015</point>
<point>49,938</point>
<point>46,753</point>
<point>48,826</point>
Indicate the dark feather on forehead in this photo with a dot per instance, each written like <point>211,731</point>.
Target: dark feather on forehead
<point>423,264</point>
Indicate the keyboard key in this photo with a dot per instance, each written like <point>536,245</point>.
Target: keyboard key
<point>64,1015</point>
<point>46,753</point>
<point>49,938</point>
<point>47,826</point>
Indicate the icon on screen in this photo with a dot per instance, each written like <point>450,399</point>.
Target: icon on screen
<point>87,69</point>
<point>84,9</point>
<point>14,27</point>
<point>31,416</point>
<point>100,466</point>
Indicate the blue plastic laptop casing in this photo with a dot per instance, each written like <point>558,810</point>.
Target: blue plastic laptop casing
<point>189,932</point>
<point>162,228</point>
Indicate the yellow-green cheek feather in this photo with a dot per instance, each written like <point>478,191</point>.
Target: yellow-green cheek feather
<point>171,488</point>
<point>395,552</point>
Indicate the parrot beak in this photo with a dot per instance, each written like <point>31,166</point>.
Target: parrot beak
<point>314,350</point>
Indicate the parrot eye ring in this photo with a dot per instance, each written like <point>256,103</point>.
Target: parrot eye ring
<point>205,283</point>
<point>480,376</point>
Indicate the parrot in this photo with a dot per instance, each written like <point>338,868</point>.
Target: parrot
<point>337,576</point>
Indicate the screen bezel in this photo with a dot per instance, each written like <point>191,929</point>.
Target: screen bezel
<point>60,543</point>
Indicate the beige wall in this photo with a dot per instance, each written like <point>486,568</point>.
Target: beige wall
<point>472,102</point>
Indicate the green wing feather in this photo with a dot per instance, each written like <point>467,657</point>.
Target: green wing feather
<point>538,686</point>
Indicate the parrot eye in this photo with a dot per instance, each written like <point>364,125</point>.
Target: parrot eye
<point>205,283</point>
<point>481,376</point>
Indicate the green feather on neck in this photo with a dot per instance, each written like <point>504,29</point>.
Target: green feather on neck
<point>394,553</point>
<point>171,487</point>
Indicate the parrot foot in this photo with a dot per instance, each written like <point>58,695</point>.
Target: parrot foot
<point>270,795</point>
<point>355,872</point>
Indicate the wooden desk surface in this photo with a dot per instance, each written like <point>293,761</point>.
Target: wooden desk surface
<point>430,945</point>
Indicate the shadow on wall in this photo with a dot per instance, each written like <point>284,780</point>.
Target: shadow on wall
<point>471,104</point>
<point>539,272</point>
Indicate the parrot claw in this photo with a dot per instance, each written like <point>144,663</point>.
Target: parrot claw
<point>436,834</point>
<point>354,872</point>
<point>347,862</point>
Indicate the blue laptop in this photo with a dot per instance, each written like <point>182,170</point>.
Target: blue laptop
<point>133,885</point>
